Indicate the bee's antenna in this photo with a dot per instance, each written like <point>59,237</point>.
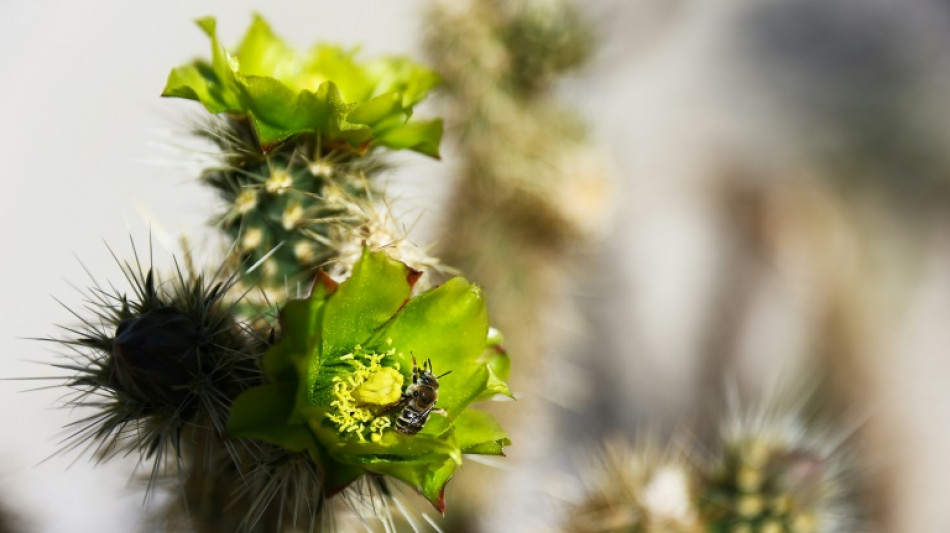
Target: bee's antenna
<point>442,375</point>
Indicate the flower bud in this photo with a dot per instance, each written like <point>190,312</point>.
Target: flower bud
<point>155,355</point>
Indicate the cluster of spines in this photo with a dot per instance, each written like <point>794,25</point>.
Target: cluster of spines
<point>763,479</point>
<point>635,490</point>
<point>159,364</point>
<point>759,487</point>
<point>275,211</point>
<point>499,62</point>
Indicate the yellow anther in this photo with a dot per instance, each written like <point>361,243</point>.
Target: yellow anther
<point>358,395</point>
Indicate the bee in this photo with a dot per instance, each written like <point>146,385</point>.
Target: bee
<point>418,400</point>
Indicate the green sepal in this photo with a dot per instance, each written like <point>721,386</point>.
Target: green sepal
<point>336,476</point>
<point>263,412</point>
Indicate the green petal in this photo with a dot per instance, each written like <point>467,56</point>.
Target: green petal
<point>427,475</point>
<point>277,111</point>
<point>327,92</point>
<point>262,53</point>
<point>420,136</point>
<point>448,325</point>
<point>197,82</point>
<point>262,413</point>
<point>329,62</point>
<point>402,75</point>
<point>393,447</point>
<point>498,365</point>
<point>372,294</point>
<point>478,432</point>
<point>213,84</point>
<point>377,110</point>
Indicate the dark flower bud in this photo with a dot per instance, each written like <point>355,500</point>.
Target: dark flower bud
<point>155,355</point>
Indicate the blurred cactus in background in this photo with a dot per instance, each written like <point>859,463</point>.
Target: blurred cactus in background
<point>635,488</point>
<point>530,192</point>
<point>770,471</point>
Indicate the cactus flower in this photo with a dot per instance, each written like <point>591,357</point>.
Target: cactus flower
<point>325,92</point>
<point>347,356</point>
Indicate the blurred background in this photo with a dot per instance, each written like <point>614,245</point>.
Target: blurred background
<point>746,198</point>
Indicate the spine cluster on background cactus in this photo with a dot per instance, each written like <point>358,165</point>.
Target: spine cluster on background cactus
<point>276,418</point>
<point>528,167</point>
<point>768,473</point>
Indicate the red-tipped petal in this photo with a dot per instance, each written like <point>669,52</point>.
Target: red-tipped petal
<point>412,276</point>
<point>323,279</point>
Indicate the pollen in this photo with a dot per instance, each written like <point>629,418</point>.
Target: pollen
<point>359,394</point>
<point>278,182</point>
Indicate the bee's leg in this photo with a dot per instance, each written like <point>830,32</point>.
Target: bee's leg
<point>395,406</point>
<point>439,411</point>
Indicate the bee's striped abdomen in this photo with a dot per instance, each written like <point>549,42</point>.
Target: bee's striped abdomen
<point>411,421</point>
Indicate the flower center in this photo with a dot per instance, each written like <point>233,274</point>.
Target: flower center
<point>358,395</point>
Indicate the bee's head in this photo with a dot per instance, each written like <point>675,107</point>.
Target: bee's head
<point>427,378</point>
